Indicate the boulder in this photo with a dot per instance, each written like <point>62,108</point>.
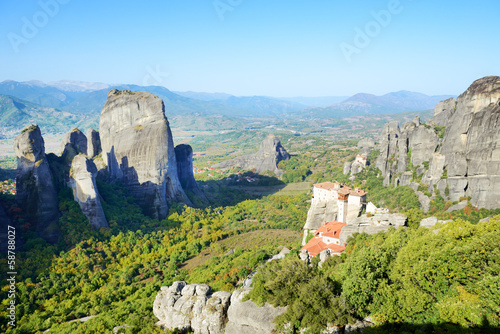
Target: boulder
<point>456,207</point>
<point>138,149</point>
<point>36,192</point>
<point>244,317</point>
<point>271,152</point>
<point>83,173</point>
<point>425,201</point>
<point>93,143</point>
<point>428,222</point>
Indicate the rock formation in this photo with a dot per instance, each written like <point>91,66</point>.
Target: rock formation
<point>93,143</point>
<point>371,225</point>
<point>244,317</point>
<point>365,146</point>
<point>357,165</point>
<point>466,161</point>
<point>194,307</point>
<point>36,193</point>
<point>319,213</point>
<point>184,157</point>
<point>82,181</point>
<point>413,143</point>
<point>74,143</point>
<point>266,159</point>
<point>138,149</point>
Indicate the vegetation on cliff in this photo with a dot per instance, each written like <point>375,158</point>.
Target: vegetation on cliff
<point>441,279</point>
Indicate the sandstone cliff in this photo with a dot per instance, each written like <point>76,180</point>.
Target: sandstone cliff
<point>464,158</point>
<point>82,182</point>
<point>271,152</point>
<point>36,192</point>
<point>138,149</point>
<point>194,307</point>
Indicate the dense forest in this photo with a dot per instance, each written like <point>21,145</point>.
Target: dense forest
<point>414,277</point>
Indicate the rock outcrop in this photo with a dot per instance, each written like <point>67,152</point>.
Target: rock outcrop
<point>365,146</point>
<point>36,192</point>
<point>371,225</point>
<point>193,307</point>
<point>271,152</point>
<point>464,157</point>
<point>319,213</point>
<point>82,182</point>
<point>138,149</point>
<point>244,317</point>
<point>413,143</point>
<point>184,157</point>
<point>93,143</point>
<point>74,143</point>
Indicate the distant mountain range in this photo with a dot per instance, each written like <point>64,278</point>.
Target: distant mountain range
<point>16,113</point>
<point>71,102</point>
<point>363,104</point>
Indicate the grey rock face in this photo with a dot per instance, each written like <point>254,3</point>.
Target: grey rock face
<point>319,213</point>
<point>82,182</point>
<point>405,179</point>
<point>193,307</point>
<point>425,201</point>
<point>396,145</point>
<point>347,168</point>
<point>443,111</point>
<point>371,225</point>
<point>271,152</point>
<point>184,157</point>
<point>74,143</point>
<point>244,317</point>
<point>469,151</point>
<point>137,147</point>
<point>93,143</point>
<point>429,222</point>
<point>458,206</point>
<point>36,193</point>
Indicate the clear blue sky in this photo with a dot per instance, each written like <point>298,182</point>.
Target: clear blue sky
<point>254,47</point>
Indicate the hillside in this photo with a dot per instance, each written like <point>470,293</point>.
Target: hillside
<point>15,114</point>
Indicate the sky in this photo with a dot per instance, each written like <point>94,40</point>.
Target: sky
<point>241,47</point>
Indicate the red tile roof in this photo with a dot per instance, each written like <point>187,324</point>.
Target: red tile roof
<point>316,246</point>
<point>345,191</point>
<point>358,193</point>
<point>330,229</point>
<point>327,185</point>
